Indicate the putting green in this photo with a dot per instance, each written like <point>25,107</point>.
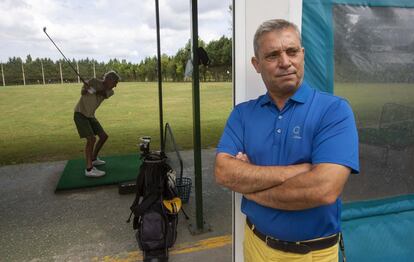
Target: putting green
<point>118,169</point>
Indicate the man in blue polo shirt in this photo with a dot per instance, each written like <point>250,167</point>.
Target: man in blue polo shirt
<point>289,152</point>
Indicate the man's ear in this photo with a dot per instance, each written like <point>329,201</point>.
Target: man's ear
<point>255,64</point>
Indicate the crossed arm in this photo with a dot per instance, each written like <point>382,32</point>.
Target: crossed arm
<point>293,187</point>
<point>90,88</point>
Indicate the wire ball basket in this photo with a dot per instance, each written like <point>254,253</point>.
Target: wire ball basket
<point>183,185</point>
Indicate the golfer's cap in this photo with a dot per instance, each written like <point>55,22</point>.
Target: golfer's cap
<point>112,75</point>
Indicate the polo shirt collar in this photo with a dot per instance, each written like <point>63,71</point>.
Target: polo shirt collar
<point>300,95</point>
<point>266,99</point>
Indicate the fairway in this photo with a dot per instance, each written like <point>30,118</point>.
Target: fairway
<point>36,123</point>
<point>367,99</point>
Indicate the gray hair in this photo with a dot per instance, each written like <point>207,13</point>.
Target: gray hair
<point>112,75</point>
<point>269,26</point>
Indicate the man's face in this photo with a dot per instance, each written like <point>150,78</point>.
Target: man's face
<point>280,61</point>
<point>112,83</point>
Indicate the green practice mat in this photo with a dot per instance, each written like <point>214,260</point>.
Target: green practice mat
<point>118,169</point>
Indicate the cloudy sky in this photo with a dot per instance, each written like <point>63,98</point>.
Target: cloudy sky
<point>104,29</point>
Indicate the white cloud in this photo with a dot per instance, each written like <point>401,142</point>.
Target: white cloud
<point>104,29</point>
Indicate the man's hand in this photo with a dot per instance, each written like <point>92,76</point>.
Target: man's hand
<point>87,89</point>
<point>239,174</point>
<point>320,186</point>
<point>243,157</point>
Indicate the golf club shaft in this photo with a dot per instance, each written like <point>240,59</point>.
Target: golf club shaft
<point>70,64</point>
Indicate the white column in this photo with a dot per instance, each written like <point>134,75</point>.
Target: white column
<point>24,78</point>
<point>43,72</point>
<point>2,75</point>
<point>94,72</point>
<point>61,75</point>
<point>77,69</point>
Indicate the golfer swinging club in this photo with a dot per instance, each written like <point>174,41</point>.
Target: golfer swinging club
<point>93,93</point>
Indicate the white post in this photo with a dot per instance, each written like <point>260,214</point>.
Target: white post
<point>61,75</point>
<point>2,75</point>
<point>248,15</point>
<point>43,72</point>
<point>77,69</point>
<point>24,78</point>
<point>94,73</point>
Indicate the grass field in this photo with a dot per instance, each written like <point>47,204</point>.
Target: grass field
<point>367,99</point>
<point>36,123</point>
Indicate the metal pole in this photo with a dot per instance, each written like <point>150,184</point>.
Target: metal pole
<point>2,75</point>
<point>157,15</point>
<point>24,78</point>
<point>43,72</point>
<point>77,68</point>
<point>67,60</point>
<point>61,75</point>
<point>94,72</point>
<point>196,118</point>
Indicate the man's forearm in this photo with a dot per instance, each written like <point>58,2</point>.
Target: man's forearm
<point>243,177</point>
<point>320,186</point>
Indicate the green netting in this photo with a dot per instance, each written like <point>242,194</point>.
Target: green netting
<point>318,36</point>
<point>374,230</point>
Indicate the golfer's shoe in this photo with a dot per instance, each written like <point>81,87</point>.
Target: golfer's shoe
<point>98,162</point>
<point>94,172</point>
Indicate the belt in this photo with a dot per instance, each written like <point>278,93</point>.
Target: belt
<point>301,247</point>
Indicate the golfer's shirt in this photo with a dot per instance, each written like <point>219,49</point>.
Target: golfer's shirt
<point>313,127</point>
<point>89,102</point>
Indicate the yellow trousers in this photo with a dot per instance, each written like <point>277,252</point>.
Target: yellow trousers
<point>255,250</point>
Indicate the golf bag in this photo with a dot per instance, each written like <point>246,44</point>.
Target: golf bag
<point>156,226</point>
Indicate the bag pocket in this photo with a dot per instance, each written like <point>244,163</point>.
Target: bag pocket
<point>171,229</point>
<point>151,231</point>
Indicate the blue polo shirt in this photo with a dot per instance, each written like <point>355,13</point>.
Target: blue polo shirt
<point>313,127</point>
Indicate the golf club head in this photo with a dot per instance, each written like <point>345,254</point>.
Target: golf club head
<point>69,63</point>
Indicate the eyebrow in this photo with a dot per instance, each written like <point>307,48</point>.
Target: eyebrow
<point>278,51</point>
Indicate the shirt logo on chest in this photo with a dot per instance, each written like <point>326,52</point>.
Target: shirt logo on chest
<point>296,133</point>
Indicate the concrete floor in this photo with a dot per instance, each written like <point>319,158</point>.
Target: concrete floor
<point>89,224</point>
<point>381,176</point>
<point>36,224</point>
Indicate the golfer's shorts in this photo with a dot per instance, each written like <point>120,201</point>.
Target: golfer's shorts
<point>87,126</point>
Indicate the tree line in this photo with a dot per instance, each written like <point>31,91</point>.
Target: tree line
<point>45,70</point>
<point>366,50</point>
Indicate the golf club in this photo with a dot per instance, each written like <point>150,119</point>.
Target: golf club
<point>70,64</point>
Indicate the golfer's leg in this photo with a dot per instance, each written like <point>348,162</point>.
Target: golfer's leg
<point>102,139</point>
<point>100,132</point>
<point>85,130</point>
<point>90,142</point>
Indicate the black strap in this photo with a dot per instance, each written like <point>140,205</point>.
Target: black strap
<point>129,218</point>
<point>185,214</point>
<point>145,204</point>
<point>342,247</point>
